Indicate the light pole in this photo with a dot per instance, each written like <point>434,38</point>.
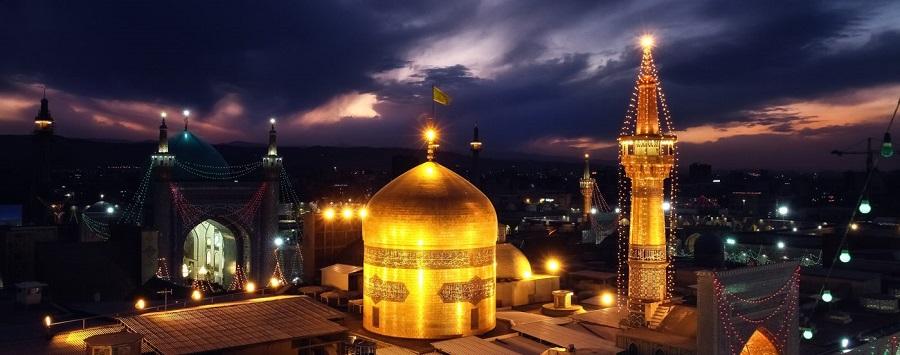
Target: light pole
<point>165,293</point>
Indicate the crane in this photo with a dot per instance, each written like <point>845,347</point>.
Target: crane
<point>869,153</point>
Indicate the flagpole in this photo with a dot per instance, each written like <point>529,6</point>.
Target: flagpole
<point>433,108</point>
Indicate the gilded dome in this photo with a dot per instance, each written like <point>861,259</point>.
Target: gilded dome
<point>430,207</point>
<point>511,263</point>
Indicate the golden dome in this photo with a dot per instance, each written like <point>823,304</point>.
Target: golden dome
<point>429,258</point>
<point>511,263</point>
<point>430,206</point>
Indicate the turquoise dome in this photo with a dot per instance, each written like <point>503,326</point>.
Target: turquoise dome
<point>190,150</point>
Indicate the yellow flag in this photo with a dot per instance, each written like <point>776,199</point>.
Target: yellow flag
<point>439,96</point>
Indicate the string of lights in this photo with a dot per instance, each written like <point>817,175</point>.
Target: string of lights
<point>217,175</point>
<point>134,212</point>
<point>287,188</point>
<point>736,334</point>
<point>239,279</point>
<point>887,151</point>
<point>97,227</point>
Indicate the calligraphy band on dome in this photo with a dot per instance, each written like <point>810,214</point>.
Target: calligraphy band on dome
<point>429,259</point>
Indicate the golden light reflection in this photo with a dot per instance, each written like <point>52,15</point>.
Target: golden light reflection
<point>250,287</point>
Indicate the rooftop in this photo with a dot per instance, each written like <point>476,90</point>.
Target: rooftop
<point>241,323</point>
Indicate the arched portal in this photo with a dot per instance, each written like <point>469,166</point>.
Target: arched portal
<point>759,343</point>
<point>211,251</point>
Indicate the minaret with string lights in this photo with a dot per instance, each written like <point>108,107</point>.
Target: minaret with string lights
<point>587,191</point>
<point>647,156</point>
<point>476,146</point>
<point>269,207</point>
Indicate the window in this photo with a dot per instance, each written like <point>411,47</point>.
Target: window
<point>375,317</point>
<point>474,320</point>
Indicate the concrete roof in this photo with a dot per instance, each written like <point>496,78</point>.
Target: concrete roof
<point>342,268</point>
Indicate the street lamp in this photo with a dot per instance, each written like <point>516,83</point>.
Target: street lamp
<point>552,265</point>
<point>250,287</point>
<point>279,241</point>
<point>827,297</point>
<point>783,211</point>
<point>865,207</point>
<point>140,304</point>
<point>845,256</point>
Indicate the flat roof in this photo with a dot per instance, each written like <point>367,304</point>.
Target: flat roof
<point>518,317</point>
<point>469,345</point>
<point>235,324</point>
<point>561,336</point>
<point>342,268</point>
<point>593,274</point>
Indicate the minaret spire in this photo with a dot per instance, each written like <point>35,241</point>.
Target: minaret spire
<point>186,114</point>
<point>587,191</point>
<point>273,147</point>
<point>43,122</point>
<point>163,147</point>
<point>647,84</point>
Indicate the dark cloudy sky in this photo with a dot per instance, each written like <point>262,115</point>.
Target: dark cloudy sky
<point>750,83</point>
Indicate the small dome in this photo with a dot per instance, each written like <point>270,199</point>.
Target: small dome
<point>430,207</point>
<point>511,263</point>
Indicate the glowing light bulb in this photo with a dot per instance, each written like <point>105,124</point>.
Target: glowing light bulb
<point>552,265</point>
<point>163,114</point>
<point>666,206</point>
<point>328,214</point>
<point>865,207</point>
<point>807,333</point>
<point>607,299</point>
<point>185,271</point>
<point>272,120</point>
<point>110,210</point>
<point>196,295</point>
<point>250,287</point>
<point>827,297</point>
<point>203,271</point>
<point>845,256</point>
<point>186,113</point>
<point>854,226</point>
<point>48,321</point>
<point>140,304</point>
<point>430,134</point>
<point>363,212</point>
<point>730,241</point>
<point>274,282</point>
<point>347,213</point>
<point>780,245</point>
<point>593,210</point>
<point>647,41</point>
<point>845,342</point>
<point>279,241</point>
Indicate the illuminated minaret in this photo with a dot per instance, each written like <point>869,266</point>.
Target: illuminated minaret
<point>43,122</point>
<point>163,147</point>
<point>587,191</point>
<point>648,157</point>
<point>273,148</point>
<point>476,146</point>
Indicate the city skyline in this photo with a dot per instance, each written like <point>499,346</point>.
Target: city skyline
<point>780,87</point>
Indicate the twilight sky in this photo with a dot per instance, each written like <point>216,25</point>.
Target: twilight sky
<point>750,83</point>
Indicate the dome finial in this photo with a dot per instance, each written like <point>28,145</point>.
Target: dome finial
<point>431,136</point>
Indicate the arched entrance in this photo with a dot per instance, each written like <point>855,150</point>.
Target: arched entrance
<point>211,252</point>
<point>759,343</point>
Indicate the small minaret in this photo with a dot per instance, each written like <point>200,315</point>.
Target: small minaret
<point>587,191</point>
<point>43,122</point>
<point>163,147</point>
<point>431,137</point>
<point>271,161</point>
<point>273,148</point>
<point>476,147</point>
